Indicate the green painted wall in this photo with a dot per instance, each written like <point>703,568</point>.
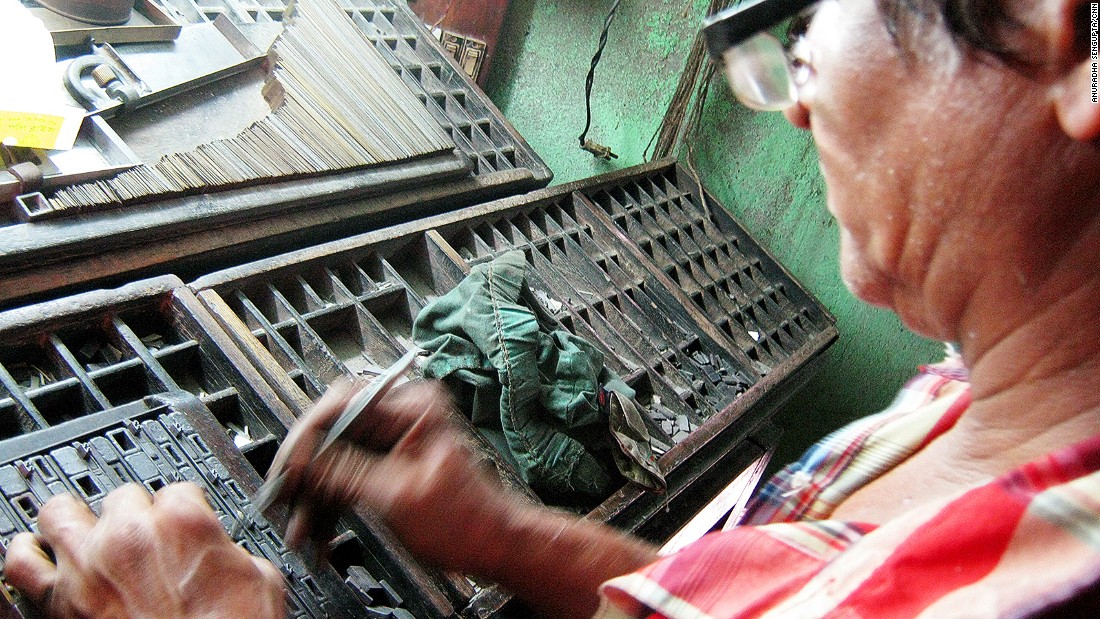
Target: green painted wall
<point>762,169</point>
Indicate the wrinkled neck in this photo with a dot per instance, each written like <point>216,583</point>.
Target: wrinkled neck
<point>1033,349</point>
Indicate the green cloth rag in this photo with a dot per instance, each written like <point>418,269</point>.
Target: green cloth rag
<point>536,384</point>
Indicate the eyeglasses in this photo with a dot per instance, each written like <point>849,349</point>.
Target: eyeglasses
<point>763,72</point>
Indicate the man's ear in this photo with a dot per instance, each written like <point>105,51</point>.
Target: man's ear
<point>1075,91</point>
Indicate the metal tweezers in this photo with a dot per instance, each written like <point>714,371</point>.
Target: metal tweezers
<point>362,401</point>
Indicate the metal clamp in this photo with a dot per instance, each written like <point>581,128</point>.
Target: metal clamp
<point>105,76</point>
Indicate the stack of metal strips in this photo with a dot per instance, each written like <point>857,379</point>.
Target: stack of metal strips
<point>337,105</point>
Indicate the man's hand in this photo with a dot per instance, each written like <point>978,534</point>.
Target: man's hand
<point>408,462</point>
<point>405,460</point>
<point>158,556</point>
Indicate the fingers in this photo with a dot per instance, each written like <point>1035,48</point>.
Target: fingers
<point>270,573</point>
<point>327,410</point>
<point>303,439</point>
<point>65,522</point>
<point>273,603</point>
<point>378,429</point>
<point>300,527</point>
<point>127,498</point>
<point>332,484</point>
<point>405,423</point>
<point>28,568</point>
<point>183,491</point>
<point>401,410</point>
<point>140,559</point>
<point>427,427</point>
<point>348,477</point>
<point>311,526</point>
<point>183,507</point>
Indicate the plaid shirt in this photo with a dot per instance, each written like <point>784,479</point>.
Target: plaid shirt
<point>1019,546</point>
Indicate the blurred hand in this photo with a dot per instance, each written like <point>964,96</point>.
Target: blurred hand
<point>158,556</point>
<point>406,461</point>
<point>409,463</point>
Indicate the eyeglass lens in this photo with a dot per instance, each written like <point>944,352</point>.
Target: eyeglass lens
<point>759,73</point>
<point>760,70</point>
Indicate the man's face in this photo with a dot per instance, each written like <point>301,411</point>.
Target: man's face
<point>899,138</point>
<point>854,102</point>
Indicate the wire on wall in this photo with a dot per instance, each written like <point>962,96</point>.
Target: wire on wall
<point>597,150</point>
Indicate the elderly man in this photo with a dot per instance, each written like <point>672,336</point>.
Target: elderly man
<point>958,140</point>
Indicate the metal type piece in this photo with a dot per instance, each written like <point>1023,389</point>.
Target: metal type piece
<point>363,584</point>
<point>467,50</point>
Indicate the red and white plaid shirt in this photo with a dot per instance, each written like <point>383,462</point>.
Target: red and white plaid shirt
<point>1022,545</point>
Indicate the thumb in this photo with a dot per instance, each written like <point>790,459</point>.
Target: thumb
<point>29,569</point>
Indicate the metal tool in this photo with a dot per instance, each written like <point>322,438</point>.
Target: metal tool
<point>100,13</point>
<point>105,76</point>
<point>149,23</point>
<point>19,179</point>
<point>97,152</point>
<point>146,73</point>
<point>361,402</point>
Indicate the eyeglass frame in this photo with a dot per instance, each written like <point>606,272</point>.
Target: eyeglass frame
<point>734,25</point>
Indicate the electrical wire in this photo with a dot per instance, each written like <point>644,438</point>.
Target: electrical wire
<point>598,150</point>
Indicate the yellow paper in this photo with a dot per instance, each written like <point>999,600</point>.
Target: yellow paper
<point>30,129</point>
<point>34,110</point>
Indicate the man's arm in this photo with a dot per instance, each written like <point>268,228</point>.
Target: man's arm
<point>556,561</point>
